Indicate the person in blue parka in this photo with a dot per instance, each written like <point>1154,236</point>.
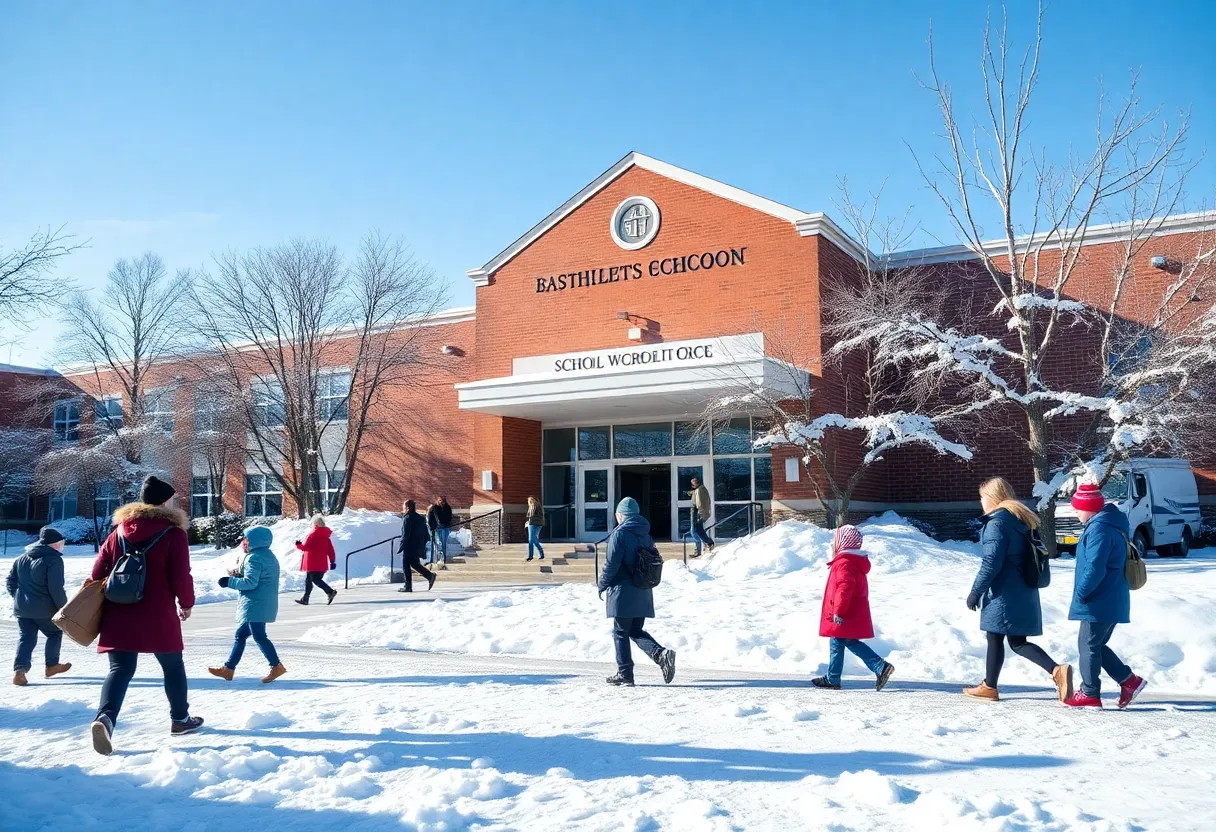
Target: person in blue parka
<point>629,606</point>
<point>256,577</point>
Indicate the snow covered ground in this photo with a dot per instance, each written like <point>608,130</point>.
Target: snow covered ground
<point>755,604</point>
<point>528,736</point>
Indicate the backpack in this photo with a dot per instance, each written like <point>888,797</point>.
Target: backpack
<point>1036,567</point>
<point>1133,568</point>
<point>126,582</point>
<point>647,572</point>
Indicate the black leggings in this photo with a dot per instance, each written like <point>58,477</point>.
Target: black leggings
<point>315,579</point>
<point>996,655</point>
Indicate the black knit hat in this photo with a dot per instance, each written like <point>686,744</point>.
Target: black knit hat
<point>48,535</point>
<point>155,491</point>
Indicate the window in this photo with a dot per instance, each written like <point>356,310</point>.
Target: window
<point>733,436</point>
<point>17,509</point>
<point>764,477</point>
<point>557,486</point>
<point>636,441</point>
<point>692,439</point>
<point>268,408</point>
<point>327,484</point>
<point>67,421</point>
<point>262,496</point>
<point>63,505</point>
<point>109,411</point>
<point>593,443</point>
<point>732,480</point>
<point>1139,487</point>
<point>106,500</point>
<point>1115,487</point>
<point>206,411</point>
<point>158,407</point>
<point>595,486</point>
<point>201,496</point>
<point>558,445</point>
<point>333,397</point>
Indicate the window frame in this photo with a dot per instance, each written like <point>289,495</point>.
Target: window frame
<point>267,484</point>
<point>71,427</point>
<point>327,412</point>
<point>103,410</point>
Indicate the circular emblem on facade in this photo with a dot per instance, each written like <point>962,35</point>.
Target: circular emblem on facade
<point>635,222</point>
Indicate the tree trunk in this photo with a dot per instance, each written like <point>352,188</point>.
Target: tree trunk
<point>1037,443</point>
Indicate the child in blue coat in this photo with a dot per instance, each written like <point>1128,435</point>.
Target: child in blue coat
<point>256,577</point>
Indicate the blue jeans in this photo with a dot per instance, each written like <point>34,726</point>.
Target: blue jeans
<point>1096,657</point>
<point>534,541</point>
<point>122,668</point>
<point>700,537</point>
<point>28,640</point>
<point>439,544</point>
<point>258,630</point>
<point>859,649</point>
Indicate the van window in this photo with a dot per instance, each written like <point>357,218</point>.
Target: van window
<point>1115,487</point>
<point>1139,486</point>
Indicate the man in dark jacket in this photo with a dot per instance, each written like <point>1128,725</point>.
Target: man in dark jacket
<point>1101,598</point>
<point>413,547</point>
<point>36,584</point>
<point>439,524</point>
<point>629,606</point>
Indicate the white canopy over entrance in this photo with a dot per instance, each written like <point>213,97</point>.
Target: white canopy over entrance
<point>635,382</point>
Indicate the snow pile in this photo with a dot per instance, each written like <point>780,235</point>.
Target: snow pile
<point>755,605</point>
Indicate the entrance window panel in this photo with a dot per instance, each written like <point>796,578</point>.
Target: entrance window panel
<point>558,445</point>
<point>733,523</point>
<point>595,519</point>
<point>732,436</point>
<point>633,441</point>
<point>764,477</point>
<point>760,426</point>
<point>593,443</point>
<point>732,480</point>
<point>595,486</point>
<point>685,520</point>
<point>684,475</point>
<point>692,439</point>
<point>558,485</point>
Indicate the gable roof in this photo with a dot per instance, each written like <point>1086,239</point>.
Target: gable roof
<point>804,222</point>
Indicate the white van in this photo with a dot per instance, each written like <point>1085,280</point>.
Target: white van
<point>1160,499</point>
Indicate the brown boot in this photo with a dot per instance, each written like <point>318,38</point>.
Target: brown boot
<point>223,671</point>
<point>275,672</point>
<point>1062,676</point>
<point>56,669</point>
<point>19,678</point>
<point>982,691</point>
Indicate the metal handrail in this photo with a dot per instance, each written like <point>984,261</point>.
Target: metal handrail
<point>597,553</point>
<point>751,525</point>
<point>497,511</point>
<point>391,551</point>
<point>568,507</point>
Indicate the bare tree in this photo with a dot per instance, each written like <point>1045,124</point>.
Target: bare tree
<point>1047,212</point>
<point>28,283</point>
<point>308,343</point>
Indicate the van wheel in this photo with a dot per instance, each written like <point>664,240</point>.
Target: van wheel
<point>1140,541</point>
<point>1180,549</point>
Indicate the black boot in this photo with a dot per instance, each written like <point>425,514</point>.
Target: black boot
<point>667,663</point>
<point>621,679</point>
<point>822,682</point>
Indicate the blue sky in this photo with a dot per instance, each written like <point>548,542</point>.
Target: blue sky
<point>192,128</point>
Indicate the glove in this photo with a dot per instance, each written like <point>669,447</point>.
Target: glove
<point>298,543</point>
<point>224,581</point>
<point>837,620</point>
<point>601,595</point>
<point>973,601</point>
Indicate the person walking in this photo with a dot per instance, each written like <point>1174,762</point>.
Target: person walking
<point>535,522</point>
<point>317,558</point>
<point>153,624</point>
<point>845,617</point>
<point>629,606</point>
<point>1010,607</point>
<point>1101,598</point>
<point>256,577</point>
<point>439,523</point>
<point>36,584</point>
<point>701,508</point>
<point>413,547</point>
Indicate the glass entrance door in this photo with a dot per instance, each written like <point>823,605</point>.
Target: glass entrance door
<point>684,473</point>
<point>594,503</point>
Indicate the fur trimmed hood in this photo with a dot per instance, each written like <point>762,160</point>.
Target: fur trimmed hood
<point>143,511</point>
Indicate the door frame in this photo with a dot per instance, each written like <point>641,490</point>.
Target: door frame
<point>581,532</point>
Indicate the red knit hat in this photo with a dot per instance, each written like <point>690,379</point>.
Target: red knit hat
<point>847,539</point>
<point>1088,498</point>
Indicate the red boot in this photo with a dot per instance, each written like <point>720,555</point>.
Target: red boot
<point>1080,699</point>
<point>1129,690</point>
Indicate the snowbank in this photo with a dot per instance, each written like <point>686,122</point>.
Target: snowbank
<point>352,530</point>
<point>755,605</point>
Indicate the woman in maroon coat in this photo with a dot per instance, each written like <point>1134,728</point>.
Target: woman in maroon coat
<point>152,625</point>
<point>317,558</point>
<point>846,611</point>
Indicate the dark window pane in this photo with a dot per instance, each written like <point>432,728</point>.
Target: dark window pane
<point>760,426</point>
<point>733,436</point>
<point>595,486</point>
<point>692,439</point>
<point>274,505</point>
<point>730,527</point>
<point>593,443</point>
<point>558,445</point>
<point>685,521</point>
<point>558,485</point>
<point>732,480</point>
<point>764,477</point>
<point>200,506</point>
<point>630,441</point>
<point>559,523</point>
<point>253,505</point>
<point>685,473</point>
<point>595,519</point>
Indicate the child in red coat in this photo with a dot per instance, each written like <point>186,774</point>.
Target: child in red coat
<point>846,611</point>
